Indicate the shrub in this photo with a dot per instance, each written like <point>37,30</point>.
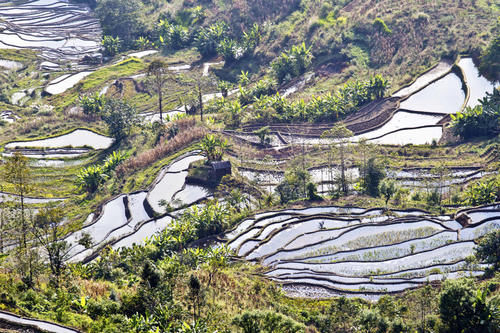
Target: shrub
<point>483,192</point>
<point>267,321</point>
<point>120,116</point>
<point>92,105</point>
<point>481,120</point>
<point>294,186</point>
<point>380,25</point>
<point>463,309</point>
<point>373,174</point>
<point>488,250</point>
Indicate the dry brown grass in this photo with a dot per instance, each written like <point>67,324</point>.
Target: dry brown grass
<point>189,132</point>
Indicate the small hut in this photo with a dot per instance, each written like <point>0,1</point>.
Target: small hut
<point>221,168</point>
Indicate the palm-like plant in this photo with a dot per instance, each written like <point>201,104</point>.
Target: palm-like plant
<point>91,177</point>
<point>213,147</point>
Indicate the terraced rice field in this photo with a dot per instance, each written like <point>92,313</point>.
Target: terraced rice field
<point>70,145</point>
<point>128,219</point>
<point>328,251</point>
<point>324,177</point>
<point>59,30</point>
<point>417,116</point>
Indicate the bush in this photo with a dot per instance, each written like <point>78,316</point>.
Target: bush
<point>463,309</point>
<point>120,116</point>
<point>488,250</point>
<point>481,120</point>
<point>483,192</point>
<point>373,174</point>
<point>380,26</point>
<point>92,105</point>
<point>91,177</point>
<point>294,186</point>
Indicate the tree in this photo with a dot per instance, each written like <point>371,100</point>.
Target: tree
<point>294,186</point>
<point>47,229</point>
<point>121,117</point>
<point>489,62</point>
<point>372,175</point>
<point>488,250</point>
<point>158,74</point>
<point>17,173</point>
<point>341,135</point>
<point>464,310</point>
<point>196,295</point>
<point>387,188</point>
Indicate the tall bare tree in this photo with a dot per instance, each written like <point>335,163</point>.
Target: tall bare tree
<point>47,228</point>
<point>159,76</point>
<point>339,134</point>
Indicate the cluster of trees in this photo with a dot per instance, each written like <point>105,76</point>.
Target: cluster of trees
<point>91,177</point>
<point>181,288</point>
<point>481,120</point>
<point>35,236</point>
<point>171,33</point>
<point>329,107</point>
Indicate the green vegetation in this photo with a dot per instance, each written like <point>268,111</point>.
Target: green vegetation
<point>295,185</point>
<point>341,56</point>
<point>213,147</point>
<point>292,63</point>
<point>91,177</point>
<point>484,192</point>
<point>481,120</point>
<point>489,64</point>
<point>120,117</point>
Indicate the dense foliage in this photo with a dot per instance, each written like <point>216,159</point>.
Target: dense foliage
<point>481,120</point>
